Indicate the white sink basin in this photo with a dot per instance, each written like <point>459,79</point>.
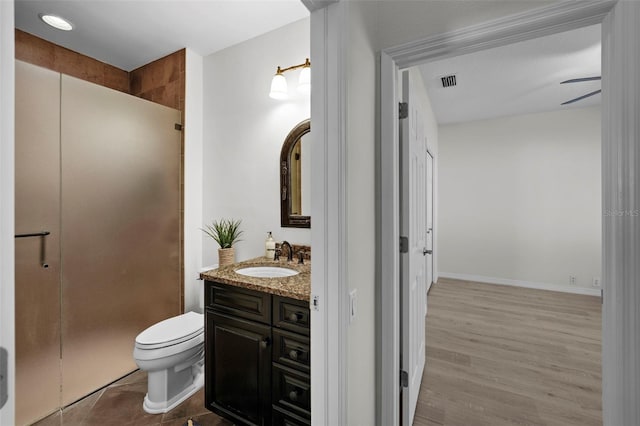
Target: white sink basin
<point>267,272</point>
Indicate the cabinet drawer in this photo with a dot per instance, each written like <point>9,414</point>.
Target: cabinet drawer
<point>291,349</point>
<point>240,302</point>
<point>291,314</point>
<point>284,418</point>
<point>291,390</point>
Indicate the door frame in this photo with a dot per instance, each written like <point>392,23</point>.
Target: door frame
<point>532,24</point>
<point>7,230</point>
<point>329,318</point>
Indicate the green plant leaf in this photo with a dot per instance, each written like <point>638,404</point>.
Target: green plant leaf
<point>225,232</point>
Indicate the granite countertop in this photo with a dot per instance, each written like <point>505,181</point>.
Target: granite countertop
<point>295,287</point>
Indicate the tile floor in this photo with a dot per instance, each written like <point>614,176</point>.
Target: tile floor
<point>121,404</point>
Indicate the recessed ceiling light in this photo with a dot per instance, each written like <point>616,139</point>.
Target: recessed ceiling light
<point>56,22</point>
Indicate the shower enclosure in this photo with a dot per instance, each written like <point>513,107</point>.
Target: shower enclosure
<point>97,234</point>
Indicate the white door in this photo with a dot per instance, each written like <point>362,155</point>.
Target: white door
<point>429,245</point>
<point>413,220</point>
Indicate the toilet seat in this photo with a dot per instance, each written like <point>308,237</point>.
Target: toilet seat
<point>171,331</point>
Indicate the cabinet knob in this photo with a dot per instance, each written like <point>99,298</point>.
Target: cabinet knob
<point>295,316</point>
<point>293,395</point>
<point>265,343</point>
<point>293,354</point>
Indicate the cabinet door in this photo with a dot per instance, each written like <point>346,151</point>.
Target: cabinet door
<point>238,368</point>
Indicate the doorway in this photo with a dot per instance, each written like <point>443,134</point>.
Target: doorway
<point>393,59</point>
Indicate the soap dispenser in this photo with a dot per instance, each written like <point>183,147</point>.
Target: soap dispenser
<point>269,247</point>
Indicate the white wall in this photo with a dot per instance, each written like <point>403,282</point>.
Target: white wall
<point>7,202</point>
<point>520,198</point>
<point>402,21</point>
<point>243,133</point>
<point>360,227</point>
<point>193,182</point>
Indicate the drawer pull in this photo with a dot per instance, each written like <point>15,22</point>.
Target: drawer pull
<point>293,395</point>
<point>265,342</point>
<point>293,354</point>
<point>295,316</point>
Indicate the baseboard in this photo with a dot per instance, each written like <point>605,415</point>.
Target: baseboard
<point>526,284</point>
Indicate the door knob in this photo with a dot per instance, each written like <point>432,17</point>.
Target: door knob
<point>426,252</point>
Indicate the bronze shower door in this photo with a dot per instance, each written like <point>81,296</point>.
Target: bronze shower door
<point>100,171</point>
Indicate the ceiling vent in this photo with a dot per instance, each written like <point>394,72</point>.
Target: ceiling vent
<point>448,80</point>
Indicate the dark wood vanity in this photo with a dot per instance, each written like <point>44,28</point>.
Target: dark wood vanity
<point>257,355</point>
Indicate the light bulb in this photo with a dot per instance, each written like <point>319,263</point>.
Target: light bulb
<point>278,87</point>
<point>56,22</point>
<point>304,81</point>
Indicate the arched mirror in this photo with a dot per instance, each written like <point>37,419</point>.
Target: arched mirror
<point>295,183</point>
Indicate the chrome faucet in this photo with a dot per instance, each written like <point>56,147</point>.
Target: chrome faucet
<point>290,252</point>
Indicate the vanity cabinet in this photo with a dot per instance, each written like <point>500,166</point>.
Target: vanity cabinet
<point>257,356</point>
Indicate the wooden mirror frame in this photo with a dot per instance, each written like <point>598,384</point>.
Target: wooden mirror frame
<point>288,220</point>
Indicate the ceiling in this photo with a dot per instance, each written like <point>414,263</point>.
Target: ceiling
<point>515,79</point>
<point>129,34</point>
<point>518,78</point>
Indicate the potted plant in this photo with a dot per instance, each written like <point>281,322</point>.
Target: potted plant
<point>226,233</point>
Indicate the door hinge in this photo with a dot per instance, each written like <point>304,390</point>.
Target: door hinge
<point>404,379</point>
<point>404,245</point>
<point>178,127</point>
<point>403,111</point>
<point>4,388</point>
<point>602,296</point>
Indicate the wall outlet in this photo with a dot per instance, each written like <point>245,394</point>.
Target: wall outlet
<point>353,305</point>
<point>572,280</point>
<point>596,281</point>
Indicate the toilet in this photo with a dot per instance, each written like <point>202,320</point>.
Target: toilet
<point>172,353</point>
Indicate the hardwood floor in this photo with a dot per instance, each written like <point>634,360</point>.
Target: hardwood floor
<point>499,355</point>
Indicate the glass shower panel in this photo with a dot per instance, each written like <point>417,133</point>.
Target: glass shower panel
<point>37,258</point>
<point>120,229</point>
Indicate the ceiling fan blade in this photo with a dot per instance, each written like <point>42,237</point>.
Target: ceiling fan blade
<point>579,80</point>
<point>581,97</point>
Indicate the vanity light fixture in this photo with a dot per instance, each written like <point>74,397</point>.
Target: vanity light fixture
<point>279,83</point>
<point>56,21</point>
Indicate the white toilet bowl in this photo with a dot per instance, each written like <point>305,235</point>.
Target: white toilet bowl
<point>172,352</point>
